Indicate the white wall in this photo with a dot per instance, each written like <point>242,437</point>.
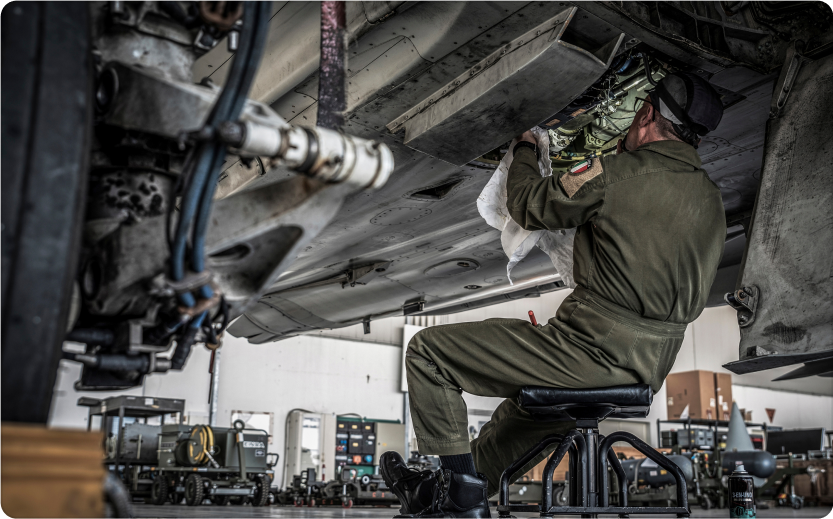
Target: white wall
<point>711,341</point>
<point>190,384</point>
<point>314,373</point>
<point>362,374</point>
<point>791,410</point>
<point>389,331</point>
<point>715,333</point>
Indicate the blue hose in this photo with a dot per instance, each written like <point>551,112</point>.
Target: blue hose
<point>197,200</point>
<point>187,213</point>
<point>228,107</point>
<point>203,214</point>
<point>196,322</point>
<point>625,65</point>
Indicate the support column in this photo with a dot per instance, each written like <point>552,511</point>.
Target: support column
<point>215,389</point>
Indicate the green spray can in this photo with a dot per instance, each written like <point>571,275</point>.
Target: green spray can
<point>741,494</point>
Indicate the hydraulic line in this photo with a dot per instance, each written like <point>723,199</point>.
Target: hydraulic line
<point>205,152</point>
<point>184,343</point>
<point>209,156</point>
<point>647,62</point>
<point>228,107</point>
<point>195,185</point>
<point>251,53</point>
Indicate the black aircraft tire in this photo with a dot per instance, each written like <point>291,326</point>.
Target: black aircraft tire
<point>193,490</point>
<point>46,119</point>
<point>261,497</point>
<point>159,490</point>
<point>116,497</point>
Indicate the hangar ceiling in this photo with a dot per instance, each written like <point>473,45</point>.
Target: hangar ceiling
<point>398,65</point>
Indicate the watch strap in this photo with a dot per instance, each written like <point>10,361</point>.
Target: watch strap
<point>525,144</point>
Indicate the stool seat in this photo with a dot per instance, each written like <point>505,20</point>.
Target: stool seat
<point>591,453</point>
<point>563,405</point>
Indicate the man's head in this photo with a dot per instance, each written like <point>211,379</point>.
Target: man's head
<point>682,107</point>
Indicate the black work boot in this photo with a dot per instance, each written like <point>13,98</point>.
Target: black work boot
<point>414,488</point>
<point>461,495</point>
<point>442,493</point>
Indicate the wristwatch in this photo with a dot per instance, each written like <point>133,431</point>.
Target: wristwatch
<point>525,144</point>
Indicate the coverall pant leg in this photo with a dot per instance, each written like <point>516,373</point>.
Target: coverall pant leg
<point>497,358</point>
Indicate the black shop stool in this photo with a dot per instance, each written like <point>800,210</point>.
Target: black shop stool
<point>590,452</point>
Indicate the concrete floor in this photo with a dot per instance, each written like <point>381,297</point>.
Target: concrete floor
<point>142,510</point>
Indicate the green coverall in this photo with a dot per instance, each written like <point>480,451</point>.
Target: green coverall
<point>651,228</point>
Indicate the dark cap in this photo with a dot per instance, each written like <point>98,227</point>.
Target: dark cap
<point>691,104</point>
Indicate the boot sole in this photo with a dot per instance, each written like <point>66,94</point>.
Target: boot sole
<point>468,513</point>
<point>389,483</point>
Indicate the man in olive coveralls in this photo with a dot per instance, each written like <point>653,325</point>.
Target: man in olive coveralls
<point>651,230</point>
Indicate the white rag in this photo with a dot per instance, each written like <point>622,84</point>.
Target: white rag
<point>516,241</point>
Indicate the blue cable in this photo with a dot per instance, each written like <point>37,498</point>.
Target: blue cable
<point>187,213</point>
<point>624,65</point>
<point>198,199</point>
<point>188,210</point>
<point>203,214</point>
<point>210,155</point>
<point>228,107</point>
<point>196,322</point>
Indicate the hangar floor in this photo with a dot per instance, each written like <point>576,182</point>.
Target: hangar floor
<point>141,510</point>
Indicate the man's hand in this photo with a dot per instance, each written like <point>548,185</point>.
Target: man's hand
<point>527,136</point>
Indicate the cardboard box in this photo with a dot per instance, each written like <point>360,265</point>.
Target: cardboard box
<point>694,389</point>
<point>723,394</point>
<point>560,473</point>
<point>51,472</point>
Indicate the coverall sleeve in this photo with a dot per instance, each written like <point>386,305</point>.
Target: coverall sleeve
<point>541,203</point>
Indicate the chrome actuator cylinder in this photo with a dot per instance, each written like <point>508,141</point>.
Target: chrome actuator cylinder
<point>326,155</point>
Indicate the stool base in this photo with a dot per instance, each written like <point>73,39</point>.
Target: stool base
<point>621,511</point>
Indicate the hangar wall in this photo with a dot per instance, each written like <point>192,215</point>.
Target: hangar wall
<point>345,371</point>
<point>314,373</point>
<point>715,334</point>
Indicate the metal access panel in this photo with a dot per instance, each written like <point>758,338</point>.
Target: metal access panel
<point>390,437</point>
<point>254,448</point>
<point>167,441</point>
<point>473,113</point>
<point>785,292</point>
<point>139,443</point>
